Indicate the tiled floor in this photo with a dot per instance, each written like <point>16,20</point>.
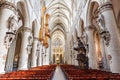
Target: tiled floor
<point>58,74</point>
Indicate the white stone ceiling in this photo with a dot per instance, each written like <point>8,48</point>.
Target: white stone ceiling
<point>61,15</point>
<point>58,35</point>
<point>60,12</point>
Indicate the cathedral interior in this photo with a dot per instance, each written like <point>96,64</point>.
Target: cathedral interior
<point>49,39</point>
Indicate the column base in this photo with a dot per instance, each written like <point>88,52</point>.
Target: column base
<point>115,71</point>
<point>2,72</point>
<point>33,66</point>
<point>39,65</point>
<point>22,68</point>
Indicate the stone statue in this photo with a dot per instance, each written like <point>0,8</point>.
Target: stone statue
<point>101,22</point>
<point>13,24</point>
<point>12,28</point>
<point>81,56</point>
<point>38,49</point>
<point>80,59</point>
<point>105,34</point>
<point>80,45</point>
<point>29,46</point>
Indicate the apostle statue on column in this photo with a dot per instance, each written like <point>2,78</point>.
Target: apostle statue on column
<point>81,56</point>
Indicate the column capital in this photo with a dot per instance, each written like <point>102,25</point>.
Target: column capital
<point>36,38</point>
<point>104,7</point>
<point>26,29</point>
<point>90,28</point>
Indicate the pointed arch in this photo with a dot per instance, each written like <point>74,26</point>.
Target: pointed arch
<point>90,11</point>
<point>22,7</point>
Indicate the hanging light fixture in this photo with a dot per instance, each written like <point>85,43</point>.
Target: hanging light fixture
<point>41,33</point>
<point>47,31</point>
<point>47,35</point>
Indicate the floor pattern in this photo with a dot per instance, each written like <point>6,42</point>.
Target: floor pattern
<point>58,74</point>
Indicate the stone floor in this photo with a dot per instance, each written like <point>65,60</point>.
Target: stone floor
<point>58,74</point>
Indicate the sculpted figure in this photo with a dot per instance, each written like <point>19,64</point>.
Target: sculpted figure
<point>104,32</point>
<point>13,24</point>
<point>12,28</point>
<point>81,56</point>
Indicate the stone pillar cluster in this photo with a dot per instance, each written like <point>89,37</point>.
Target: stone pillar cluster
<point>35,51</point>
<point>6,11</point>
<point>113,49</point>
<point>24,52</point>
<point>110,41</point>
<point>92,53</point>
<point>31,47</point>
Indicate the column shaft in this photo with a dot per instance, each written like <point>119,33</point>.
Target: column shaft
<point>114,46</point>
<point>47,56</point>
<point>34,54</point>
<point>40,56</point>
<point>104,56</point>
<point>23,62</point>
<point>92,52</point>
<point>4,16</point>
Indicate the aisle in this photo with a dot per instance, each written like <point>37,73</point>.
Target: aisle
<point>58,74</point>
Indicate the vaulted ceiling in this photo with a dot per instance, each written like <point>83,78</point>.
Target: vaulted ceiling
<point>60,13</point>
<point>60,16</point>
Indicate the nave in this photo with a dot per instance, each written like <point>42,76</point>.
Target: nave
<point>60,72</point>
<point>83,33</point>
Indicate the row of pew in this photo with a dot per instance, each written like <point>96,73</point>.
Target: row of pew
<point>74,73</point>
<point>38,73</point>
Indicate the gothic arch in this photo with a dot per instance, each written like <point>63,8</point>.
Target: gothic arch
<point>34,35</point>
<point>58,28</point>
<point>35,28</point>
<point>93,15</point>
<point>89,17</point>
<point>58,21</point>
<point>64,7</point>
<point>13,54</point>
<point>22,7</point>
<point>61,24</point>
<point>54,15</point>
<point>14,50</point>
<point>54,37</point>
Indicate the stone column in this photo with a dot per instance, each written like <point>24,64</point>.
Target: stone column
<point>40,56</point>
<point>5,13</point>
<point>47,56</point>
<point>34,52</point>
<point>106,10</point>
<point>75,44</point>
<point>44,56</point>
<point>72,57</point>
<point>23,62</point>
<point>50,53</point>
<point>104,55</point>
<point>91,43</point>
